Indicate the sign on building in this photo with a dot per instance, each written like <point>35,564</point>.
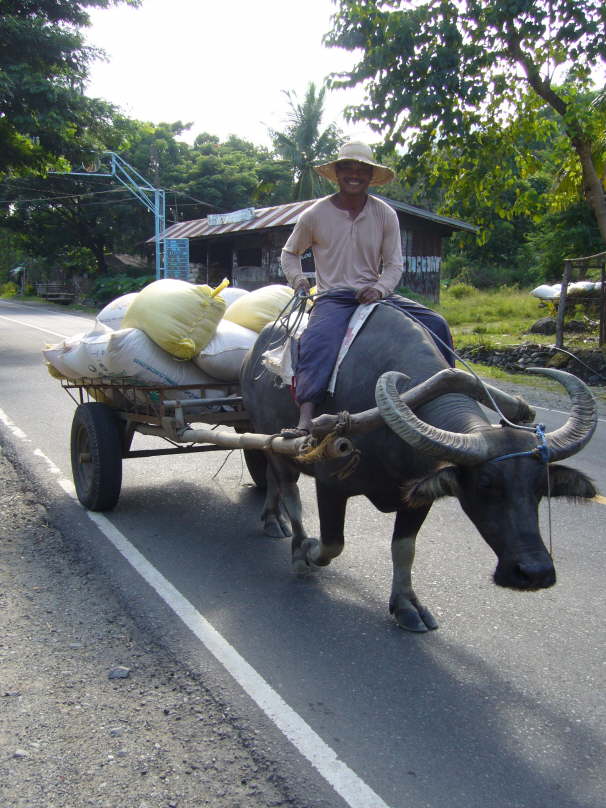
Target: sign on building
<point>215,219</point>
<point>176,258</point>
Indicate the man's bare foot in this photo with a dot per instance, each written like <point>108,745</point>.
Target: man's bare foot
<point>294,432</point>
<point>303,428</point>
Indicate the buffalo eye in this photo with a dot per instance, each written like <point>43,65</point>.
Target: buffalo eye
<point>485,481</point>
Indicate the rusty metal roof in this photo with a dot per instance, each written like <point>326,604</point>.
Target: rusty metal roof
<point>276,216</point>
<point>287,215</point>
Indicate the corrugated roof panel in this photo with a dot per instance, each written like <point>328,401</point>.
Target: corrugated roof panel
<point>287,215</point>
<point>275,216</point>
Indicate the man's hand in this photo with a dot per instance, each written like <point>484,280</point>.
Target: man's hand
<point>368,295</point>
<point>302,287</point>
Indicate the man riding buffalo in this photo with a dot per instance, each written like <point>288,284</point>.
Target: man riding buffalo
<point>355,240</point>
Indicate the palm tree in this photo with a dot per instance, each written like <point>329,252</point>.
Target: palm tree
<point>302,145</point>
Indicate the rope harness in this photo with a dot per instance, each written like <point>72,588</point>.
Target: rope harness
<point>541,453</point>
<point>317,451</point>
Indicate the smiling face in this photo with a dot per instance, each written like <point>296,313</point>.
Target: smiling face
<point>353,177</point>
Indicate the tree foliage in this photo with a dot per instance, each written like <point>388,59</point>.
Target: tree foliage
<point>75,221</point>
<point>445,73</point>
<point>43,67</point>
<point>304,144</point>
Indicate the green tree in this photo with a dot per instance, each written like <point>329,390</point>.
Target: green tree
<point>73,222</point>
<point>444,73</point>
<point>234,174</point>
<point>43,68</point>
<point>304,143</point>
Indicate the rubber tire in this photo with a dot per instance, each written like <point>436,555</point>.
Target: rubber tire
<point>256,463</point>
<point>96,432</point>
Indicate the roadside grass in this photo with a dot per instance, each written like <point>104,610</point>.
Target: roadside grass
<point>493,318</point>
<point>500,318</point>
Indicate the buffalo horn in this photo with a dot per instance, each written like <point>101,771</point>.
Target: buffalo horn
<point>463,449</point>
<point>580,426</point>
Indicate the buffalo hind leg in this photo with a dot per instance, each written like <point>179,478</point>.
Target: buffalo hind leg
<point>331,510</point>
<point>283,493</point>
<point>275,521</point>
<point>403,603</point>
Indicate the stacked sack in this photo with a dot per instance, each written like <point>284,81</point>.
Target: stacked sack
<point>576,289</point>
<point>171,333</point>
<point>247,314</point>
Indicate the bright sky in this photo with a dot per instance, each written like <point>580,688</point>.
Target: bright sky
<point>222,64</point>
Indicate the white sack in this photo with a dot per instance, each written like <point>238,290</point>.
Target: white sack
<point>224,354</point>
<point>133,354</point>
<point>579,288</point>
<point>231,294</point>
<point>113,314</point>
<point>547,292</point>
<point>282,359</point>
<point>82,355</point>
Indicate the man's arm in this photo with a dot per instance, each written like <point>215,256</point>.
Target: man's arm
<point>298,241</point>
<point>391,252</point>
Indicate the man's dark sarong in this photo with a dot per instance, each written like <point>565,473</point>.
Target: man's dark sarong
<point>320,342</point>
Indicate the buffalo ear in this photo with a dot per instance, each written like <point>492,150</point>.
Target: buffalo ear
<point>567,482</point>
<point>443,482</point>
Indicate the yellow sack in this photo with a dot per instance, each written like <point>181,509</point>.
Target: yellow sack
<point>178,316</point>
<point>309,305</point>
<point>259,307</point>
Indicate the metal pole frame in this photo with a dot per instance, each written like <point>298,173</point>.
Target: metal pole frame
<point>154,199</point>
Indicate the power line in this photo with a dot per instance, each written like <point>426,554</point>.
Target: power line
<point>84,194</point>
<point>58,198</point>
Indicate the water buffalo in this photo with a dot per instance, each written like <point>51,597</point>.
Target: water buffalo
<point>446,448</point>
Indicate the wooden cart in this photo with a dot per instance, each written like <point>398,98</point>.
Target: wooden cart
<point>110,411</point>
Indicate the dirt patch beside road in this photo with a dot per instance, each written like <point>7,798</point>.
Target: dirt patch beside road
<point>71,736</point>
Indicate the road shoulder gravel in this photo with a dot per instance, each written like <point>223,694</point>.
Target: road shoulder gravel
<point>92,712</point>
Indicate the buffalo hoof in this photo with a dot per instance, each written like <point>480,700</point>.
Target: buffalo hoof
<point>276,526</point>
<point>311,551</point>
<point>412,616</point>
<point>303,559</point>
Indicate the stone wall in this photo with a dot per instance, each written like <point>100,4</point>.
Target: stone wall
<point>588,365</point>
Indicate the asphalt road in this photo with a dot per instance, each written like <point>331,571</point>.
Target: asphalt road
<point>503,706</point>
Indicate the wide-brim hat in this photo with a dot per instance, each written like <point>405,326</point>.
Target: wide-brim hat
<point>361,153</point>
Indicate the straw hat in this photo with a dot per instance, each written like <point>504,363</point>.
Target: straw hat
<point>361,153</point>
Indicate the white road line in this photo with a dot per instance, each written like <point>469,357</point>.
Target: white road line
<point>12,427</point>
<point>351,788</point>
<point>345,782</point>
<point>35,327</point>
<point>560,412</point>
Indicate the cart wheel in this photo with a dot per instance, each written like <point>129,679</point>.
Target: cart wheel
<point>256,462</point>
<point>96,449</point>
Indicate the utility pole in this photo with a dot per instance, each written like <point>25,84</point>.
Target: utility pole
<point>151,198</point>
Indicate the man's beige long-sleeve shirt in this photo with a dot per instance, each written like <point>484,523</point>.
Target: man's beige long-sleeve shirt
<point>347,252</point>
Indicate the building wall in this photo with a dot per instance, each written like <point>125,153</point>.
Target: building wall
<point>251,260</point>
<point>422,254</point>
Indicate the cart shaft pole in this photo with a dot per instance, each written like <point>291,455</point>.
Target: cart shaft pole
<point>338,447</point>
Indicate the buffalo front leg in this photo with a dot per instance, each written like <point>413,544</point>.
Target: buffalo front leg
<point>331,510</point>
<point>403,603</point>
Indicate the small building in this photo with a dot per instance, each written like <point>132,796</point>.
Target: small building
<point>245,246</point>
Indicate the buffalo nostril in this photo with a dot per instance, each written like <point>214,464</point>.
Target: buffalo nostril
<point>536,574</point>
